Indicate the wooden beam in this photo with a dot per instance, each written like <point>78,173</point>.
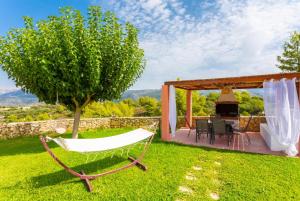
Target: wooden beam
<point>183,87</point>
<point>242,82</point>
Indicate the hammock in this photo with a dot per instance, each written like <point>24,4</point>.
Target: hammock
<point>102,144</point>
<point>99,145</point>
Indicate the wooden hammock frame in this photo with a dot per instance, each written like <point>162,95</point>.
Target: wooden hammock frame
<point>86,178</point>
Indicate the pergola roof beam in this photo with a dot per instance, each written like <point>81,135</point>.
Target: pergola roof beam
<point>243,82</point>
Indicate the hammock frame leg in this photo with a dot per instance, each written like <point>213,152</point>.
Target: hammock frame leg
<point>86,178</point>
<point>138,163</point>
<point>87,182</point>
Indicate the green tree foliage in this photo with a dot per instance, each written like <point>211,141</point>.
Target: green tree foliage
<point>43,116</point>
<point>211,98</point>
<point>108,109</point>
<point>249,104</point>
<point>242,96</point>
<point>12,118</point>
<point>181,102</point>
<point>148,106</point>
<point>198,103</point>
<point>73,60</point>
<point>290,59</point>
<point>35,113</point>
<point>29,118</point>
<point>130,102</point>
<point>205,105</point>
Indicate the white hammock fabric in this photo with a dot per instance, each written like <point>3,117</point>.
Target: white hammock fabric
<point>103,144</point>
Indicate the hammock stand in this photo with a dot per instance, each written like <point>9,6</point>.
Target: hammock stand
<point>86,178</point>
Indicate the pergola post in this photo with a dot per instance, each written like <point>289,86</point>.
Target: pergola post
<point>165,129</point>
<point>299,101</point>
<point>189,110</point>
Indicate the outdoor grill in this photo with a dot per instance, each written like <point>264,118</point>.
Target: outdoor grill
<point>227,105</point>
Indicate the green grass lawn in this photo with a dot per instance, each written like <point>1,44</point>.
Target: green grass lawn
<point>29,173</point>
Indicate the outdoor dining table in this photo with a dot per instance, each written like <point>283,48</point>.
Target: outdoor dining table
<point>230,124</point>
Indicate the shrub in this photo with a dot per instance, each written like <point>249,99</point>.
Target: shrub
<point>12,118</point>
<point>43,116</point>
<point>28,118</point>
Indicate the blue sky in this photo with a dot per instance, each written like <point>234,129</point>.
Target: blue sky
<point>190,39</point>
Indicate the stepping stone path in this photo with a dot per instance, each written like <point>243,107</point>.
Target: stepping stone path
<point>185,189</point>
<point>193,175</point>
<point>197,168</point>
<point>214,196</point>
<point>190,177</point>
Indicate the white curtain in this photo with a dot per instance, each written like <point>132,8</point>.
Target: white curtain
<point>172,109</point>
<point>282,113</point>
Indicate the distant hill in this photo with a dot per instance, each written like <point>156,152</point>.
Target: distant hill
<point>135,94</point>
<point>253,92</point>
<point>19,98</point>
<point>4,91</point>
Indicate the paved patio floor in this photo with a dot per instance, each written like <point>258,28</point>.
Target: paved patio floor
<point>240,142</point>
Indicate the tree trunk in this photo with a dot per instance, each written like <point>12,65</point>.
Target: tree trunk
<point>76,123</point>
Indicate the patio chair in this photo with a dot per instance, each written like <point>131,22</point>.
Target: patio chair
<point>105,144</point>
<point>202,127</point>
<point>243,131</point>
<point>219,127</point>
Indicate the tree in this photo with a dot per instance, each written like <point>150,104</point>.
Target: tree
<point>73,60</point>
<point>249,104</point>
<point>130,102</point>
<point>290,59</point>
<point>199,106</point>
<point>211,99</point>
<point>150,106</point>
<point>181,102</point>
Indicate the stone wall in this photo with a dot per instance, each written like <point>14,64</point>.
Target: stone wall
<point>11,130</point>
<point>254,123</point>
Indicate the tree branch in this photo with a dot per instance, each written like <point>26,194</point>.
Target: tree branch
<point>76,102</point>
<point>87,100</point>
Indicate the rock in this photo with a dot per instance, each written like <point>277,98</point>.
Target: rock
<point>197,168</point>
<point>214,196</point>
<point>190,177</point>
<point>185,189</point>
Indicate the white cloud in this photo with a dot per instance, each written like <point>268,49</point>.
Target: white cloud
<point>227,38</point>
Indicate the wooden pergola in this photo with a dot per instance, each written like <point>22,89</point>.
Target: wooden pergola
<point>243,82</point>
